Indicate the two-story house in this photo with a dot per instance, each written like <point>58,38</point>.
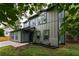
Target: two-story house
<point>42,28</point>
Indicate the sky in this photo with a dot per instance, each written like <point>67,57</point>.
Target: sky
<point>1,26</point>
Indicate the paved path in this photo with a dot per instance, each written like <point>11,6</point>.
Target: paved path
<point>14,44</point>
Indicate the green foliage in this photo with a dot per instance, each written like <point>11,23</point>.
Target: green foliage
<point>71,21</point>
<point>1,32</point>
<point>35,50</point>
<point>11,12</point>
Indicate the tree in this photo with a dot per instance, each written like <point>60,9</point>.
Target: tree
<point>71,20</point>
<point>11,12</point>
<point>1,32</point>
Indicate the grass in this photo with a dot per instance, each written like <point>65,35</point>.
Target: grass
<point>35,50</point>
<point>4,38</point>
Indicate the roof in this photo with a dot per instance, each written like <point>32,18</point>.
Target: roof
<point>38,13</point>
<point>28,28</point>
<point>30,18</point>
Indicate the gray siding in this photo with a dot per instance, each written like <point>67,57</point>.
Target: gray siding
<point>52,26</point>
<point>53,23</point>
<point>33,23</point>
<point>16,36</point>
<point>24,36</point>
<point>45,21</point>
<point>26,24</point>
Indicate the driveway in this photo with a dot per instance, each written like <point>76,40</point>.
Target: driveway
<point>14,44</point>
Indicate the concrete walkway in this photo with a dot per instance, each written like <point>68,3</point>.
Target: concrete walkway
<point>14,44</point>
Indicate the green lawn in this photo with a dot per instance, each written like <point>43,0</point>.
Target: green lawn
<point>34,50</point>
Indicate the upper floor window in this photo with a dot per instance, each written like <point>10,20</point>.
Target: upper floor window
<point>44,17</point>
<point>39,20</point>
<point>39,23</point>
<point>61,16</point>
<point>44,20</point>
<point>26,24</point>
<point>33,23</point>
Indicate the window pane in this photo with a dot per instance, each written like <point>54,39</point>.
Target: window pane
<point>44,17</point>
<point>38,34</point>
<point>46,34</point>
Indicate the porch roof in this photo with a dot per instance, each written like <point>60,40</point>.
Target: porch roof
<point>24,29</point>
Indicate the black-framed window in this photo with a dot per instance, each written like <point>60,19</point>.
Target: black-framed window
<point>33,23</point>
<point>27,24</point>
<point>44,17</point>
<point>46,34</point>
<point>38,34</point>
<point>61,16</point>
<point>39,23</point>
<point>44,21</point>
<point>39,20</point>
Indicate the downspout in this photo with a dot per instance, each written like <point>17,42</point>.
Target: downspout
<point>64,28</point>
<point>58,27</point>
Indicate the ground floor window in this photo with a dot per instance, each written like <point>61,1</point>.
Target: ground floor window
<point>38,34</point>
<point>12,35</point>
<point>16,36</point>
<point>46,34</point>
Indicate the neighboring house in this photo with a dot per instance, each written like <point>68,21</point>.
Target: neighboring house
<point>42,27</point>
<point>7,31</point>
